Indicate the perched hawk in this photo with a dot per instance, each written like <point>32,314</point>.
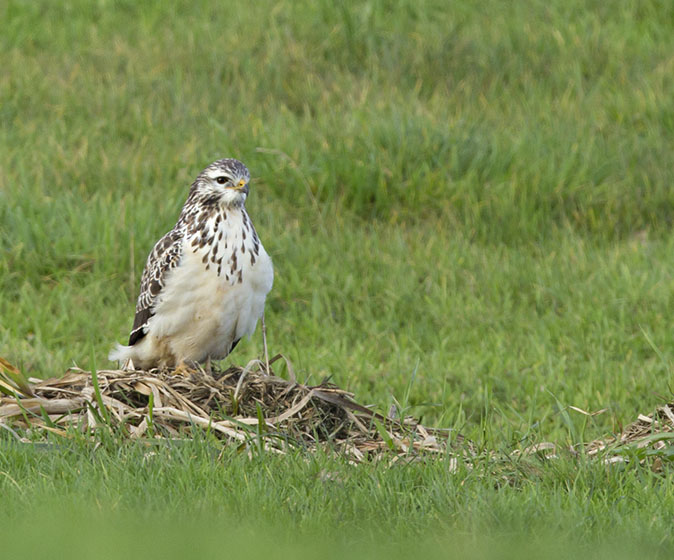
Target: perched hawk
<point>205,281</point>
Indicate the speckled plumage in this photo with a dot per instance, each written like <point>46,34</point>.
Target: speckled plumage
<point>205,281</point>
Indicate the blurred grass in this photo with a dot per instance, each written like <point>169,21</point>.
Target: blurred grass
<point>534,116</point>
<point>469,202</point>
<point>168,501</point>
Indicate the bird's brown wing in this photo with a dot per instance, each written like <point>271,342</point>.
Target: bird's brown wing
<point>164,257</point>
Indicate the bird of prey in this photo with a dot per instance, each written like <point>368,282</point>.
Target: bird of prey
<point>205,282</point>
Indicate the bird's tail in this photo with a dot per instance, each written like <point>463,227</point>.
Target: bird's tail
<point>120,353</point>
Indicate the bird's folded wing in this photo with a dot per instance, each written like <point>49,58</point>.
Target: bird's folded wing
<point>164,257</point>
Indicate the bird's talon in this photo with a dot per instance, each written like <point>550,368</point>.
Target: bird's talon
<point>185,370</point>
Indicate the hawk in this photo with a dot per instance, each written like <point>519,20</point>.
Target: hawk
<point>205,282</point>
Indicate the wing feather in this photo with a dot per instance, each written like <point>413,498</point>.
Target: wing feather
<point>164,257</point>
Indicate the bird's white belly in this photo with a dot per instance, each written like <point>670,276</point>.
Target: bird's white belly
<point>201,314</point>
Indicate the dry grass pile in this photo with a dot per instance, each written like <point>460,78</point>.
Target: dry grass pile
<point>247,406</point>
<point>649,436</point>
<point>240,405</point>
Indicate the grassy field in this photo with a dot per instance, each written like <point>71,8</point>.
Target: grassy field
<point>469,207</point>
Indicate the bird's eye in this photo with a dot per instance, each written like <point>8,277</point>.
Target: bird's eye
<point>221,180</point>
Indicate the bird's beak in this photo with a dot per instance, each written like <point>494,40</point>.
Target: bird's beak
<point>242,186</point>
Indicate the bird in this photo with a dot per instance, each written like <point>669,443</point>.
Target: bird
<point>205,282</point>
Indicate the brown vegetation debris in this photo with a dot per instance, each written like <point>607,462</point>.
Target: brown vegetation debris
<point>242,405</point>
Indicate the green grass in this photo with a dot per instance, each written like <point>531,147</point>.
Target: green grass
<point>469,203</point>
<point>220,504</point>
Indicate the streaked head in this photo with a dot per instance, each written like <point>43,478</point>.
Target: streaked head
<point>225,181</point>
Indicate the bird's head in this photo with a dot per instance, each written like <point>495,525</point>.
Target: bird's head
<point>224,181</point>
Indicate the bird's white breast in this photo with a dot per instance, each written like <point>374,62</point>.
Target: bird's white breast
<point>217,292</point>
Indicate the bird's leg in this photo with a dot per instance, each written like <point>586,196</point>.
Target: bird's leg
<point>207,366</point>
<point>264,344</point>
<point>181,369</point>
<point>184,368</point>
